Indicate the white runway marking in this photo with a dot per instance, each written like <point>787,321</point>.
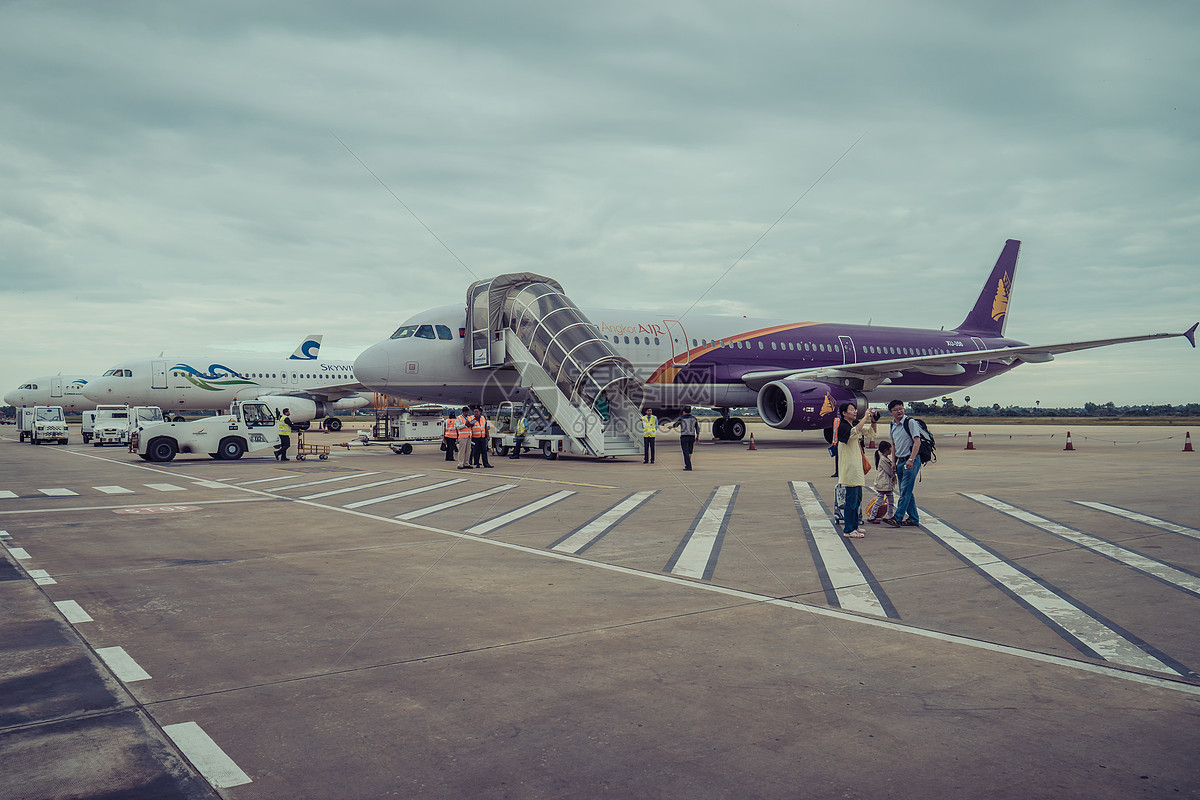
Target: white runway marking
<point>19,553</point>
<point>1150,566</point>
<point>58,492</point>
<point>458,501</point>
<point>5,535</point>
<point>323,480</point>
<point>122,665</point>
<point>1080,625</point>
<point>267,480</point>
<point>211,484</point>
<point>697,554</point>
<point>583,538</point>
<point>6,494</point>
<point>419,490</point>
<point>73,612</point>
<point>518,513</point>
<point>41,577</point>
<point>845,579</point>
<point>199,748</point>
<point>372,485</point>
<point>113,489</point>
<point>1145,519</point>
<point>165,487</point>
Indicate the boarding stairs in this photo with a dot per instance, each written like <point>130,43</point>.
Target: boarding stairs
<point>588,390</point>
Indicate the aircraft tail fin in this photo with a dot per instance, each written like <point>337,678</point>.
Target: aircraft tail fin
<point>308,349</point>
<point>990,313</point>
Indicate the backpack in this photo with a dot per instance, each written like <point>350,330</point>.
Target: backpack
<point>926,451</point>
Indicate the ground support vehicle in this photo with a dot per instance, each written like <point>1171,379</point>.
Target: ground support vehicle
<point>413,425</point>
<point>42,424</point>
<point>249,427</point>
<point>101,412</point>
<point>303,451</point>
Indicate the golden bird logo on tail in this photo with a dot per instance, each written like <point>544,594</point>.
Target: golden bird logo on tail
<point>827,406</point>
<point>1000,301</point>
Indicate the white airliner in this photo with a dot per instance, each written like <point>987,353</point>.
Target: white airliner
<point>796,373</point>
<point>53,390</point>
<point>310,387</point>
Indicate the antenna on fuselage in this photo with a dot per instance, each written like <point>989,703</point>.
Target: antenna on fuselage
<point>406,208</point>
<point>776,222</point>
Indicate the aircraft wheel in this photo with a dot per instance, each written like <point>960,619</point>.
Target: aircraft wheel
<point>162,450</point>
<point>405,449</point>
<point>333,424</point>
<point>548,451</point>
<point>231,448</point>
<point>719,428</point>
<point>735,429</point>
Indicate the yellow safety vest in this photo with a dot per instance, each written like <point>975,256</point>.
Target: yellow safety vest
<point>649,426</point>
<point>521,426</point>
<point>285,426</point>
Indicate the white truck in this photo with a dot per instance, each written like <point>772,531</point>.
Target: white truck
<point>42,424</point>
<point>104,413</point>
<point>115,424</point>
<point>249,427</point>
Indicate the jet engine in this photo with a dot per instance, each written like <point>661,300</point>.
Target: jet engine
<point>805,405</point>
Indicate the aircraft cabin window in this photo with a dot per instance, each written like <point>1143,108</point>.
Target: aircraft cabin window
<point>444,333</point>
<point>626,340</point>
<point>404,332</point>
<point>637,340</point>
<point>694,343</point>
<point>760,346</point>
<point>656,342</point>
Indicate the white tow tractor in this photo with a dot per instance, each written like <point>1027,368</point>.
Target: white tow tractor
<point>248,428</point>
<point>42,424</point>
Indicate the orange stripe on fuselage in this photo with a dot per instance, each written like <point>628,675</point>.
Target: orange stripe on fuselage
<point>666,372</point>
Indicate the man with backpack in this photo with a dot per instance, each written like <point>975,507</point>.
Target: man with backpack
<point>907,438</point>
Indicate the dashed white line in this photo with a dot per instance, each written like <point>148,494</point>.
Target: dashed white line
<point>165,487</point>
<point>41,577</point>
<point>19,553</point>
<point>518,513</point>
<point>73,612</point>
<point>6,494</point>
<point>372,485</point>
<point>58,492</point>
<point>697,554</point>
<point>409,493</point>
<point>122,664</point>
<point>212,762</point>
<point>1145,519</point>
<point>578,541</point>
<point>458,501</point>
<point>113,489</point>
<point>323,480</point>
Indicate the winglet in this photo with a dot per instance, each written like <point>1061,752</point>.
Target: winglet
<point>990,313</point>
<point>308,349</point>
<point>1191,334</point>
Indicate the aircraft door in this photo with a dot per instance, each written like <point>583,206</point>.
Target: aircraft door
<point>56,387</point>
<point>849,355</point>
<point>979,345</point>
<point>158,374</point>
<point>679,342</point>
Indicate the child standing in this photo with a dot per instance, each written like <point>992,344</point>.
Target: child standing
<point>883,506</point>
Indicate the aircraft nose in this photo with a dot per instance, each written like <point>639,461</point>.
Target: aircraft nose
<point>373,367</point>
<point>96,390</point>
<point>10,399</point>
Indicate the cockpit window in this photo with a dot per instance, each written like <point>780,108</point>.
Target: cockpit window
<point>50,414</point>
<point>404,332</point>
<point>444,333</point>
<point>425,332</point>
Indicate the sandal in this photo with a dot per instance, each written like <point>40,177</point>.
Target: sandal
<point>855,534</point>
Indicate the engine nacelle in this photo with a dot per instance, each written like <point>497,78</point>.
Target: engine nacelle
<point>299,409</point>
<point>805,405</point>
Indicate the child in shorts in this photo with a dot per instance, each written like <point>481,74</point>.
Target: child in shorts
<point>884,505</point>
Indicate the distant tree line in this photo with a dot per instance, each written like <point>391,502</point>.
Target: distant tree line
<point>948,408</point>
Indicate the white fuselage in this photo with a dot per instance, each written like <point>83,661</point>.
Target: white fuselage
<point>53,390</point>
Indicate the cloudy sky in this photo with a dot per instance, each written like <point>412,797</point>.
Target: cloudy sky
<point>194,176</point>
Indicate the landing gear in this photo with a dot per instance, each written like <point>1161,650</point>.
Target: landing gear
<point>332,424</point>
<point>731,429</point>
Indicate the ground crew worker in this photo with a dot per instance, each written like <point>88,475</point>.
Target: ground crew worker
<point>449,435</point>
<point>479,439</point>
<point>519,435</point>
<point>649,432</point>
<point>285,437</point>
<point>689,427</point>
<point>462,425</point>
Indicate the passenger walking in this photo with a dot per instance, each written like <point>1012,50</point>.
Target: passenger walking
<point>884,505</point>
<point>649,433</point>
<point>285,436</point>
<point>904,433</point>
<point>479,440</point>
<point>462,424</point>
<point>519,431</point>
<point>851,456</point>
<point>449,435</point>
<point>689,428</point>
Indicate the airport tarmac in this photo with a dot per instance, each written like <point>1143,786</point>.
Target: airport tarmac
<point>380,625</point>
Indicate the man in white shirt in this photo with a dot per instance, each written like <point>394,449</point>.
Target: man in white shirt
<point>905,434</point>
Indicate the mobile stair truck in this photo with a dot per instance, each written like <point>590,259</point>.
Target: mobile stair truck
<point>249,427</point>
<point>42,424</point>
<point>582,394</point>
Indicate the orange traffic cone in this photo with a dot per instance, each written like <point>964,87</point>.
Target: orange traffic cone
<point>1069,445</point>
<point>970,444</point>
<point>752,445</point>
<point>1187,443</point>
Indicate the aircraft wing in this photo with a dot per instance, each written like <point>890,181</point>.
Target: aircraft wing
<point>328,394</point>
<point>872,373</point>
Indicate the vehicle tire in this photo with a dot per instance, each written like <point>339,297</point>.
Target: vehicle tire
<point>735,429</point>
<point>548,451</point>
<point>162,450</point>
<point>405,449</point>
<point>300,456</point>
<point>87,438</point>
<point>62,441</point>
<point>33,439</point>
<point>333,424</point>
<point>145,457</point>
<point>231,448</point>
<point>719,428</point>
<point>323,456</point>
<point>501,451</point>
<point>23,435</point>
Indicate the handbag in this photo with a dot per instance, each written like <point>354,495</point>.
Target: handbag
<point>866,464</point>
